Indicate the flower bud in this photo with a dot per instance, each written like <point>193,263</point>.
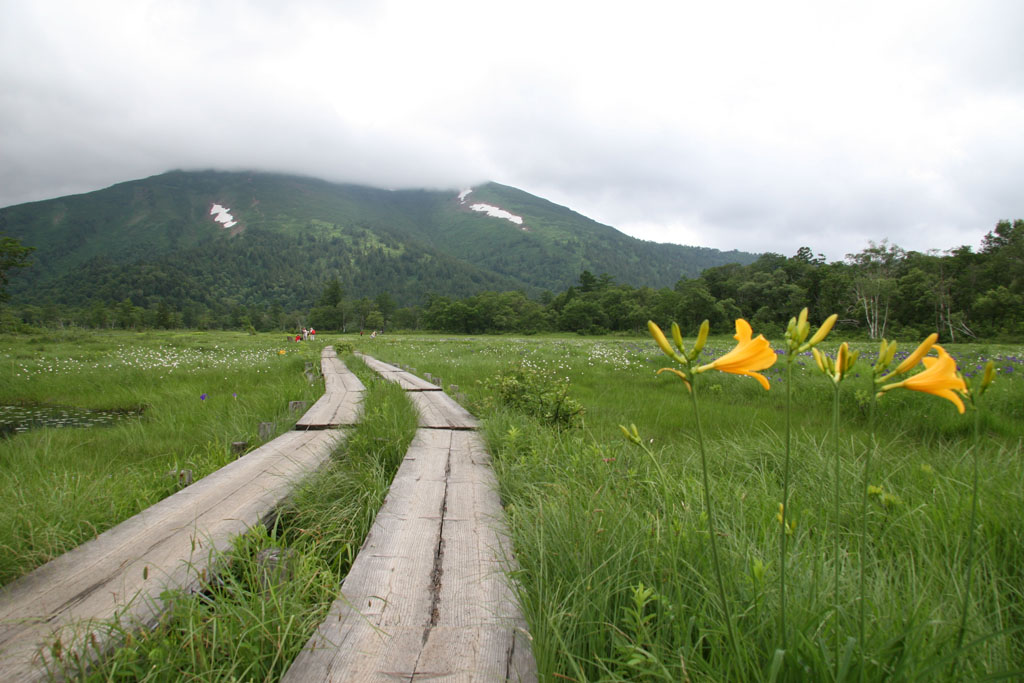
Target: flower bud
<point>890,354</point>
<point>821,360</point>
<point>823,331</point>
<point>677,337</point>
<point>990,375</point>
<point>920,352</point>
<point>659,338</point>
<point>702,339</point>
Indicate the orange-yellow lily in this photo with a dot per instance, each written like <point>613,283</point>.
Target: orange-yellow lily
<point>748,356</point>
<point>939,378</point>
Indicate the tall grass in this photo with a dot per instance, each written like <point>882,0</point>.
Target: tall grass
<point>617,581</point>
<point>194,395</point>
<point>279,581</point>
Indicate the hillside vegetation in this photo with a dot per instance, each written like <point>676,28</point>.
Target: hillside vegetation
<point>155,241</point>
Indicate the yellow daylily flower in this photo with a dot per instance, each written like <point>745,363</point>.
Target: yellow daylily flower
<point>748,356</point>
<point>939,378</point>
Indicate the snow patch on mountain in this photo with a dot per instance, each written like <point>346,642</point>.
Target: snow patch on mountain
<point>223,216</point>
<point>490,210</point>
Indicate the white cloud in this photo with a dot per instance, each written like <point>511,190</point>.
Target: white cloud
<point>750,125</point>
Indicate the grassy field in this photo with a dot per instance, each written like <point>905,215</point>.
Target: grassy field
<point>188,396</point>
<point>616,577</point>
<point>617,580</point>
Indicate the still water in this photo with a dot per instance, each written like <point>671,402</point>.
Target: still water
<point>21,418</point>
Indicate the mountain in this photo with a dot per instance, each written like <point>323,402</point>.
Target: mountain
<point>230,238</point>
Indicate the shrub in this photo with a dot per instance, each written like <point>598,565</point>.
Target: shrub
<point>539,395</point>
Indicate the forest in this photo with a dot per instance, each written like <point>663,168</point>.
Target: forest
<point>883,290</point>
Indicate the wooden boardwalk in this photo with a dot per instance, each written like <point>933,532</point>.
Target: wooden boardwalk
<point>406,380</point>
<point>432,573</point>
<point>123,571</point>
<point>428,596</point>
<point>341,403</point>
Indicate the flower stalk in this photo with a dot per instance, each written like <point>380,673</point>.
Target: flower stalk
<point>974,396</point>
<point>750,355</point>
<point>836,371</point>
<point>796,343</point>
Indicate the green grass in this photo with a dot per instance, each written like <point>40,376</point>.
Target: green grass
<point>616,577</point>
<point>615,574</point>
<point>251,620</point>
<point>64,486</point>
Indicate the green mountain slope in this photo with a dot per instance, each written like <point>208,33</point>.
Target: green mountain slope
<point>156,239</point>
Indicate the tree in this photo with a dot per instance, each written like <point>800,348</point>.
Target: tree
<point>386,305</point>
<point>588,283</point>
<point>874,285</point>
<point>375,320</point>
<point>12,255</point>
<point>332,294</point>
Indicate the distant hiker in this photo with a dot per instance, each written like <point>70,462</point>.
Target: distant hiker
<point>298,337</point>
<point>305,333</point>
<point>312,334</point>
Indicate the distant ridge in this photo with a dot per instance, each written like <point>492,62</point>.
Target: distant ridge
<point>267,239</point>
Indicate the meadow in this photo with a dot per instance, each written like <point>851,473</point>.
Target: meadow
<point>611,536</point>
<point>184,397</point>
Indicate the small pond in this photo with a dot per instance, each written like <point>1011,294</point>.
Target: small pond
<point>21,418</point>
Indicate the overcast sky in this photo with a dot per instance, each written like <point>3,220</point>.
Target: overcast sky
<point>760,126</point>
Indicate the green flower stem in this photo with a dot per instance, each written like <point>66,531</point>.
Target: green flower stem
<point>835,538</point>
<point>785,502</point>
<point>864,531</point>
<point>711,523</point>
<point>970,530</point>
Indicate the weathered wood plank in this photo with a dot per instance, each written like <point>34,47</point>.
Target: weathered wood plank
<point>474,634</point>
<point>123,571</point>
<point>341,403</point>
<point>406,380</point>
<point>428,594</point>
<point>438,410</point>
<point>375,630</point>
<point>337,376</point>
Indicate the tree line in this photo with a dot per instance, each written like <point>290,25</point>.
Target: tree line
<point>882,290</point>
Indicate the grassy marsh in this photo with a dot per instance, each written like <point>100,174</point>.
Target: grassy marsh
<point>194,394</point>
<point>616,578</point>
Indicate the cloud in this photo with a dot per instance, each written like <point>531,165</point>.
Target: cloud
<point>757,126</point>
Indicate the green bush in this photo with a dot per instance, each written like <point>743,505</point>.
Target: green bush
<point>539,395</point>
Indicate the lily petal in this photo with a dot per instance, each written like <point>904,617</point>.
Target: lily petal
<point>747,356</point>
<point>939,378</point>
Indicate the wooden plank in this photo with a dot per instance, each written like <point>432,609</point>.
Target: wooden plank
<point>375,630</point>
<point>406,380</point>
<point>123,571</point>
<point>336,409</point>
<point>475,630</point>
<point>337,376</point>
<point>440,411</point>
<point>428,594</point>
<point>341,403</point>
